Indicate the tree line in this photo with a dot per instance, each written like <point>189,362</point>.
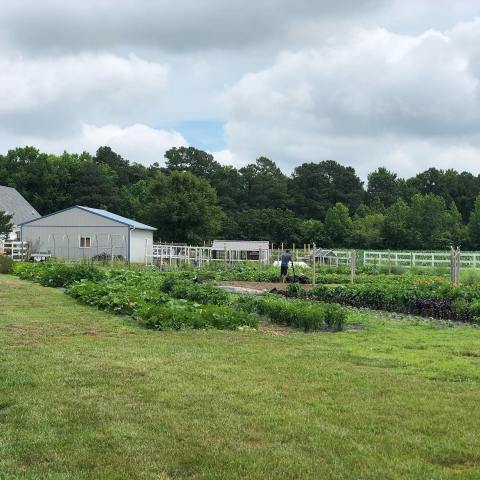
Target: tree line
<point>193,198</point>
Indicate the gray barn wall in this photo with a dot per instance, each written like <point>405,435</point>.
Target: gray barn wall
<point>59,235</point>
<point>141,244</point>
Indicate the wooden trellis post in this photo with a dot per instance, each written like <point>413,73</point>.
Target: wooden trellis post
<point>314,266</point>
<point>455,265</point>
<point>353,264</point>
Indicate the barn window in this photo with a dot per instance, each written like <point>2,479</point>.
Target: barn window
<point>85,242</point>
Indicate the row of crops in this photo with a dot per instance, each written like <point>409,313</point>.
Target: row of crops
<point>433,297</point>
<point>413,292</point>
<point>177,300</point>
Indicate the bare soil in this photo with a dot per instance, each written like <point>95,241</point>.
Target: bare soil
<point>260,286</point>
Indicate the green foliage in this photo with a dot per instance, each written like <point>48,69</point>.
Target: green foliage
<point>57,274</point>
<point>181,315</point>
<point>6,225</point>
<point>429,221</point>
<point>367,231</point>
<point>316,187</point>
<point>172,300</point>
<point>294,289</point>
<point>265,184</point>
<point>202,293</point>
<point>273,224</point>
<point>338,225</point>
<point>144,295</point>
<point>395,231</point>
<point>6,264</point>
<point>312,231</point>
<point>429,297</point>
<point>474,224</point>
<point>195,198</point>
<point>382,186</point>
<point>308,316</point>
<point>183,207</point>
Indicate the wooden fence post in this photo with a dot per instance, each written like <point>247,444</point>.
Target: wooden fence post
<point>353,263</point>
<point>314,266</point>
<point>457,268</point>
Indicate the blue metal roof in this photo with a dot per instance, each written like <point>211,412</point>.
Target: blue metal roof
<point>118,218</point>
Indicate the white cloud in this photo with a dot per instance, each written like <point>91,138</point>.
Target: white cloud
<point>227,157</point>
<point>138,143</point>
<point>364,82</point>
<point>363,101</point>
<point>41,93</point>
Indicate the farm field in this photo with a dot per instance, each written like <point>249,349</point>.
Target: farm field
<point>87,395</point>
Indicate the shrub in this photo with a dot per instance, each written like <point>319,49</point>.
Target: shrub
<point>308,316</point>
<point>294,289</point>
<point>202,293</point>
<point>334,317</point>
<point>180,314</point>
<point>6,264</point>
<point>57,274</point>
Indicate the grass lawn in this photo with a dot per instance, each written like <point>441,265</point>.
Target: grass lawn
<point>86,395</point>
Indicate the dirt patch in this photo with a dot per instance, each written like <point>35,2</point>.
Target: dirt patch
<point>260,286</point>
<point>90,333</point>
<point>273,329</point>
<point>458,463</point>
<point>255,441</point>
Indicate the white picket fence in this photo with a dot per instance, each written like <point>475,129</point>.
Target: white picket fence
<point>344,256</point>
<point>16,250</point>
<point>419,259</point>
<point>166,254</point>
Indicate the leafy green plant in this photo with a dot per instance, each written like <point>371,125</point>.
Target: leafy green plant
<point>6,264</point>
<point>309,316</point>
<point>56,274</point>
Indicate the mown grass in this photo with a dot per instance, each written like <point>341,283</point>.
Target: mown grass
<point>87,395</point>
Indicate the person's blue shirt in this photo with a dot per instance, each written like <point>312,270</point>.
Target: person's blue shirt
<point>286,259</point>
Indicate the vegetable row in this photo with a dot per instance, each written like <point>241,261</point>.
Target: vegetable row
<point>175,300</point>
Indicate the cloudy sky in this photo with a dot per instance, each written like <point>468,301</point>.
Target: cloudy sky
<point>368,83</point>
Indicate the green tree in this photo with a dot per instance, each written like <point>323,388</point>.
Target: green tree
<point>395,231</point>
<point>225,179</point>
<point>474,225</point>
<point>457,234</point>
<point>183,207</point>
<point>315,187</point>
<point>429,222</point>
<point>338,226</point>
<point>6,225</point>
<point>312,231</point>
<point>367,231</point>
<point>274,224</point>
<point>264,185</point>
<point>383,187</point>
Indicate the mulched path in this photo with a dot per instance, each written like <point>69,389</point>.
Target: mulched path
<point>262,286</point>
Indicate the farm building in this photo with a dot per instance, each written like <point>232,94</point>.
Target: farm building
<point>13,203</point>
<point>325,257</point>
<point>82,232</point>
<point>241,250</point>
